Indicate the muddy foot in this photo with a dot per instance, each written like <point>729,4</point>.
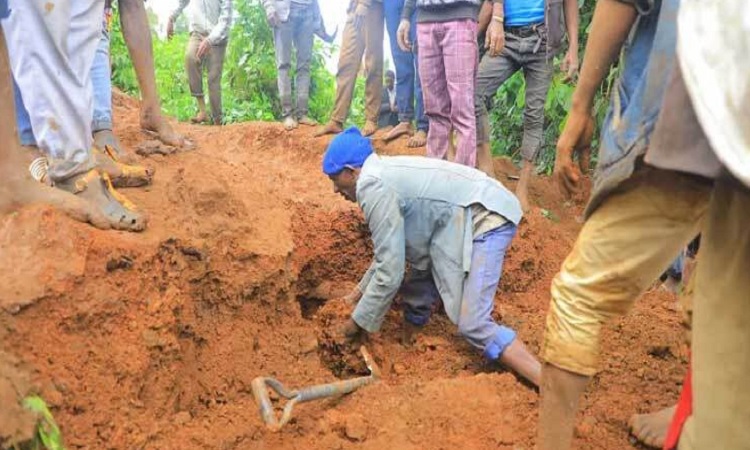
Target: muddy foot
<point>418,140</point>
<point>651,429</point>
<point>409,333</point>
<point>307,121</point>
<point>96,189</point>
<point>398,131</point>
<point>289,123</point>
<point>199,118</point>
<point>123,175</point>
<point>106,141</point>
<point>370,128</point>
<point>161,129</point>
<point>331,127</point>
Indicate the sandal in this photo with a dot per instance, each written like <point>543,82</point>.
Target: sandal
<point>96,187</point>
<point>122,175</point>
<point>106,138</point>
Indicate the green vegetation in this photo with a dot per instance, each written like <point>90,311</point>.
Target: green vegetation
<point>48,434</point>
<point>250,92</point>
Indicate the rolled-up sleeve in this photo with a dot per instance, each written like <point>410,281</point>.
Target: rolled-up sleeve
<point>220,31</point>
<point>382,281</point>
<point>180,7</point>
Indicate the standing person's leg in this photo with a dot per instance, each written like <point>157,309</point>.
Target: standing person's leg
<point>537,69</point>
<point>137,35</point>
<point>16,185</point>
<point>282,38</point>
<point>493,72</point>
<point>437,105</point>
<point>350,58</point>
<point>721,359</point>
<point>23,121</point>
<point>101,81</point>
<point>624,246</point>
<point>56,87</point>
<point>420,137</point>
<point>373,30</point>
<point>194,68</point>
<point>304,37</point>
<point>215,71</point>
<point>497,342</point>
<point>404,62</point>
<point>460,54</point>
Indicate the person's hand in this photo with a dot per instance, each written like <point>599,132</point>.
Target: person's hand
<point>353,297</point>
<point>569,65</point>
<point>170,29</point>
<point>403,35</point>
<point>494,40</point>
<point>273,19</point>
<point>352,333</point>
<point>394,108</point>
<point>203,49</point>
<point>360,12</point>
<point>575,138</point>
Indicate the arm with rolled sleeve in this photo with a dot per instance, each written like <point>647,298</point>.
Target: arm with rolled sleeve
<point>382,281</point>
<point>181,7</point>
<point>220,32</point>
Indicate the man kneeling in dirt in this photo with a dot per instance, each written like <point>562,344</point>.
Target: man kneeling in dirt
<point>452,223</point>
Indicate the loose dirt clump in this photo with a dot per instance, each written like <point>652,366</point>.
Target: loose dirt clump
<point>152,340</point>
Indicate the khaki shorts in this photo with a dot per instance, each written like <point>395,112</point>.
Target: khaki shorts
<point>623,247</point>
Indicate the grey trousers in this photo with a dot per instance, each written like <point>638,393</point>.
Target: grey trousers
<point>214,62</point>
<point>520,53</point>
<point>298,30</point>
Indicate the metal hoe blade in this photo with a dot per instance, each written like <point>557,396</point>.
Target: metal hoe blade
<point>261,385</point>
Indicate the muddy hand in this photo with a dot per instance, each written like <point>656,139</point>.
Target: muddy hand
<point>575,138</point>
<point>352,334</point>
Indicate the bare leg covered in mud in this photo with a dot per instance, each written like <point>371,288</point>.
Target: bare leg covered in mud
<point>17,187</point>
<point>137,34</point>
<point>522,190</point>
<point>651,429</point>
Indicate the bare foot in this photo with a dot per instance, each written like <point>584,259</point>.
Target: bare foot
<point>307,121</point>
<point>157,124</point>
<point>332,127</point>
<point>199,118</point>
<point>651,429</point>
<point>370,128</point>
<point>289,123</point>
<point>522,189</point>
<point>399,130</point>
<point>418,140</point>
<point>518,358</point>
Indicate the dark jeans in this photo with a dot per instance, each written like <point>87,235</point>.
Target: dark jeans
<point>525,53</point>
<point>407,78</point>
<point>298,31</point>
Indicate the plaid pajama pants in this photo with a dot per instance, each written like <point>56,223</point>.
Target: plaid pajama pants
<point>448,57</point>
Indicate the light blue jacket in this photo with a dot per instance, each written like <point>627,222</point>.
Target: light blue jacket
<point>418,211</point>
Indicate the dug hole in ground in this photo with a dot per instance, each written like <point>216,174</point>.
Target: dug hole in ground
<point>151,341</point>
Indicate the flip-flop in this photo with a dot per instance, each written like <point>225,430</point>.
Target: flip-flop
<point>96,187</point>
<point>122,175</point>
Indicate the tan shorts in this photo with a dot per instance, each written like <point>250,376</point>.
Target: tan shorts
<point>622,249</point>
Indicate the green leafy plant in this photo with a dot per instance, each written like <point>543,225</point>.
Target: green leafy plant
<point>48,434</point>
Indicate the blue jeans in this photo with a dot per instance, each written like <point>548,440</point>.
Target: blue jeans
<point>101,80</point>
<point>407,78</point>
<point>475,321</point>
